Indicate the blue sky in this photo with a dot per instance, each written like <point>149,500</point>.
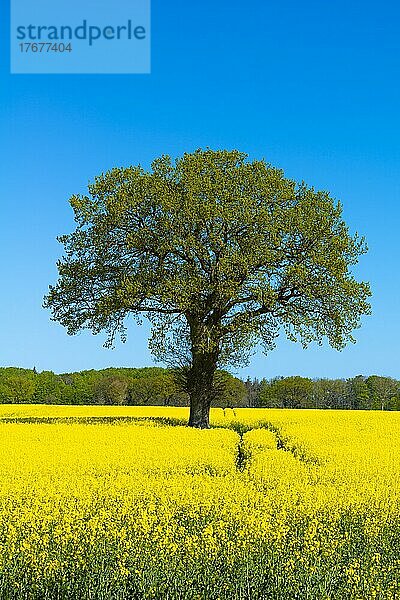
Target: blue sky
<point>313,87</point>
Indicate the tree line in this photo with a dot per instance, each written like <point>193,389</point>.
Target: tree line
<point>356,393</point>
<point>158,386</point>
<point>116,386</point>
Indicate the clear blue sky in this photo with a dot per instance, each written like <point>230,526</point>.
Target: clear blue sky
<point>314,87</point>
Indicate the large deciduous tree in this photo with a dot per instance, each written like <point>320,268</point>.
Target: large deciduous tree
<point>219,253</point>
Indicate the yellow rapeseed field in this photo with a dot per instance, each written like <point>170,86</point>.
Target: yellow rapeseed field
<point>127,502</point>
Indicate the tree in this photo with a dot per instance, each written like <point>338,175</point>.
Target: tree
<point>158,389</point>
<point>231,391</point>
<point>266,397</point>
<point>16,385</point>
<point>219,253</point>
<point>358,396</point>
<point>111,389</point>
<point>383,392</point>
<point>253,388</point>
<point>50,389</point>
<point>287,392</point>
<point>330,393</point>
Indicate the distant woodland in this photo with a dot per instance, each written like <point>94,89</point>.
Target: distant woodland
<point>158,386</point>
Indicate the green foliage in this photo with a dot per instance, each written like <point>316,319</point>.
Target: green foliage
<point>157,386</point>
<point>157,390</point>
<point>16,385</point>
<point>253,389</point>
<point>149,385</point>
<point>112,390</point>
<point>358,393</point>
<point>383,392</point>
<point>288,392</point>
<point>331,393</point>
<point>230,391</point>
<point>219,253</point>
<point>210,239</point>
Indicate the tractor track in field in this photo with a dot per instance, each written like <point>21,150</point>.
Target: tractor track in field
<point>243,457</point>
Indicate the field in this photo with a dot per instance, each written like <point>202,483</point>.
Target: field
<point>127,502</point>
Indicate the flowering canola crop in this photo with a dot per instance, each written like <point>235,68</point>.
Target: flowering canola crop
<point>127,502</point>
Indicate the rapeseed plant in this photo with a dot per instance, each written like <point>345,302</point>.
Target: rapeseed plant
<point>123,502</point>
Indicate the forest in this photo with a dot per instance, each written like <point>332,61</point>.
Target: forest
<point>156,386</point>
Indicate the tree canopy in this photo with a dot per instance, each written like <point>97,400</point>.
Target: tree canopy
<point>157,386</point>
<point>220,253</point>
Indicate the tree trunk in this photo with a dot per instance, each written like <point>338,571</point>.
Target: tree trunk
<point>199,412</point>
<point>200,375</point>
<point>200,387</point>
